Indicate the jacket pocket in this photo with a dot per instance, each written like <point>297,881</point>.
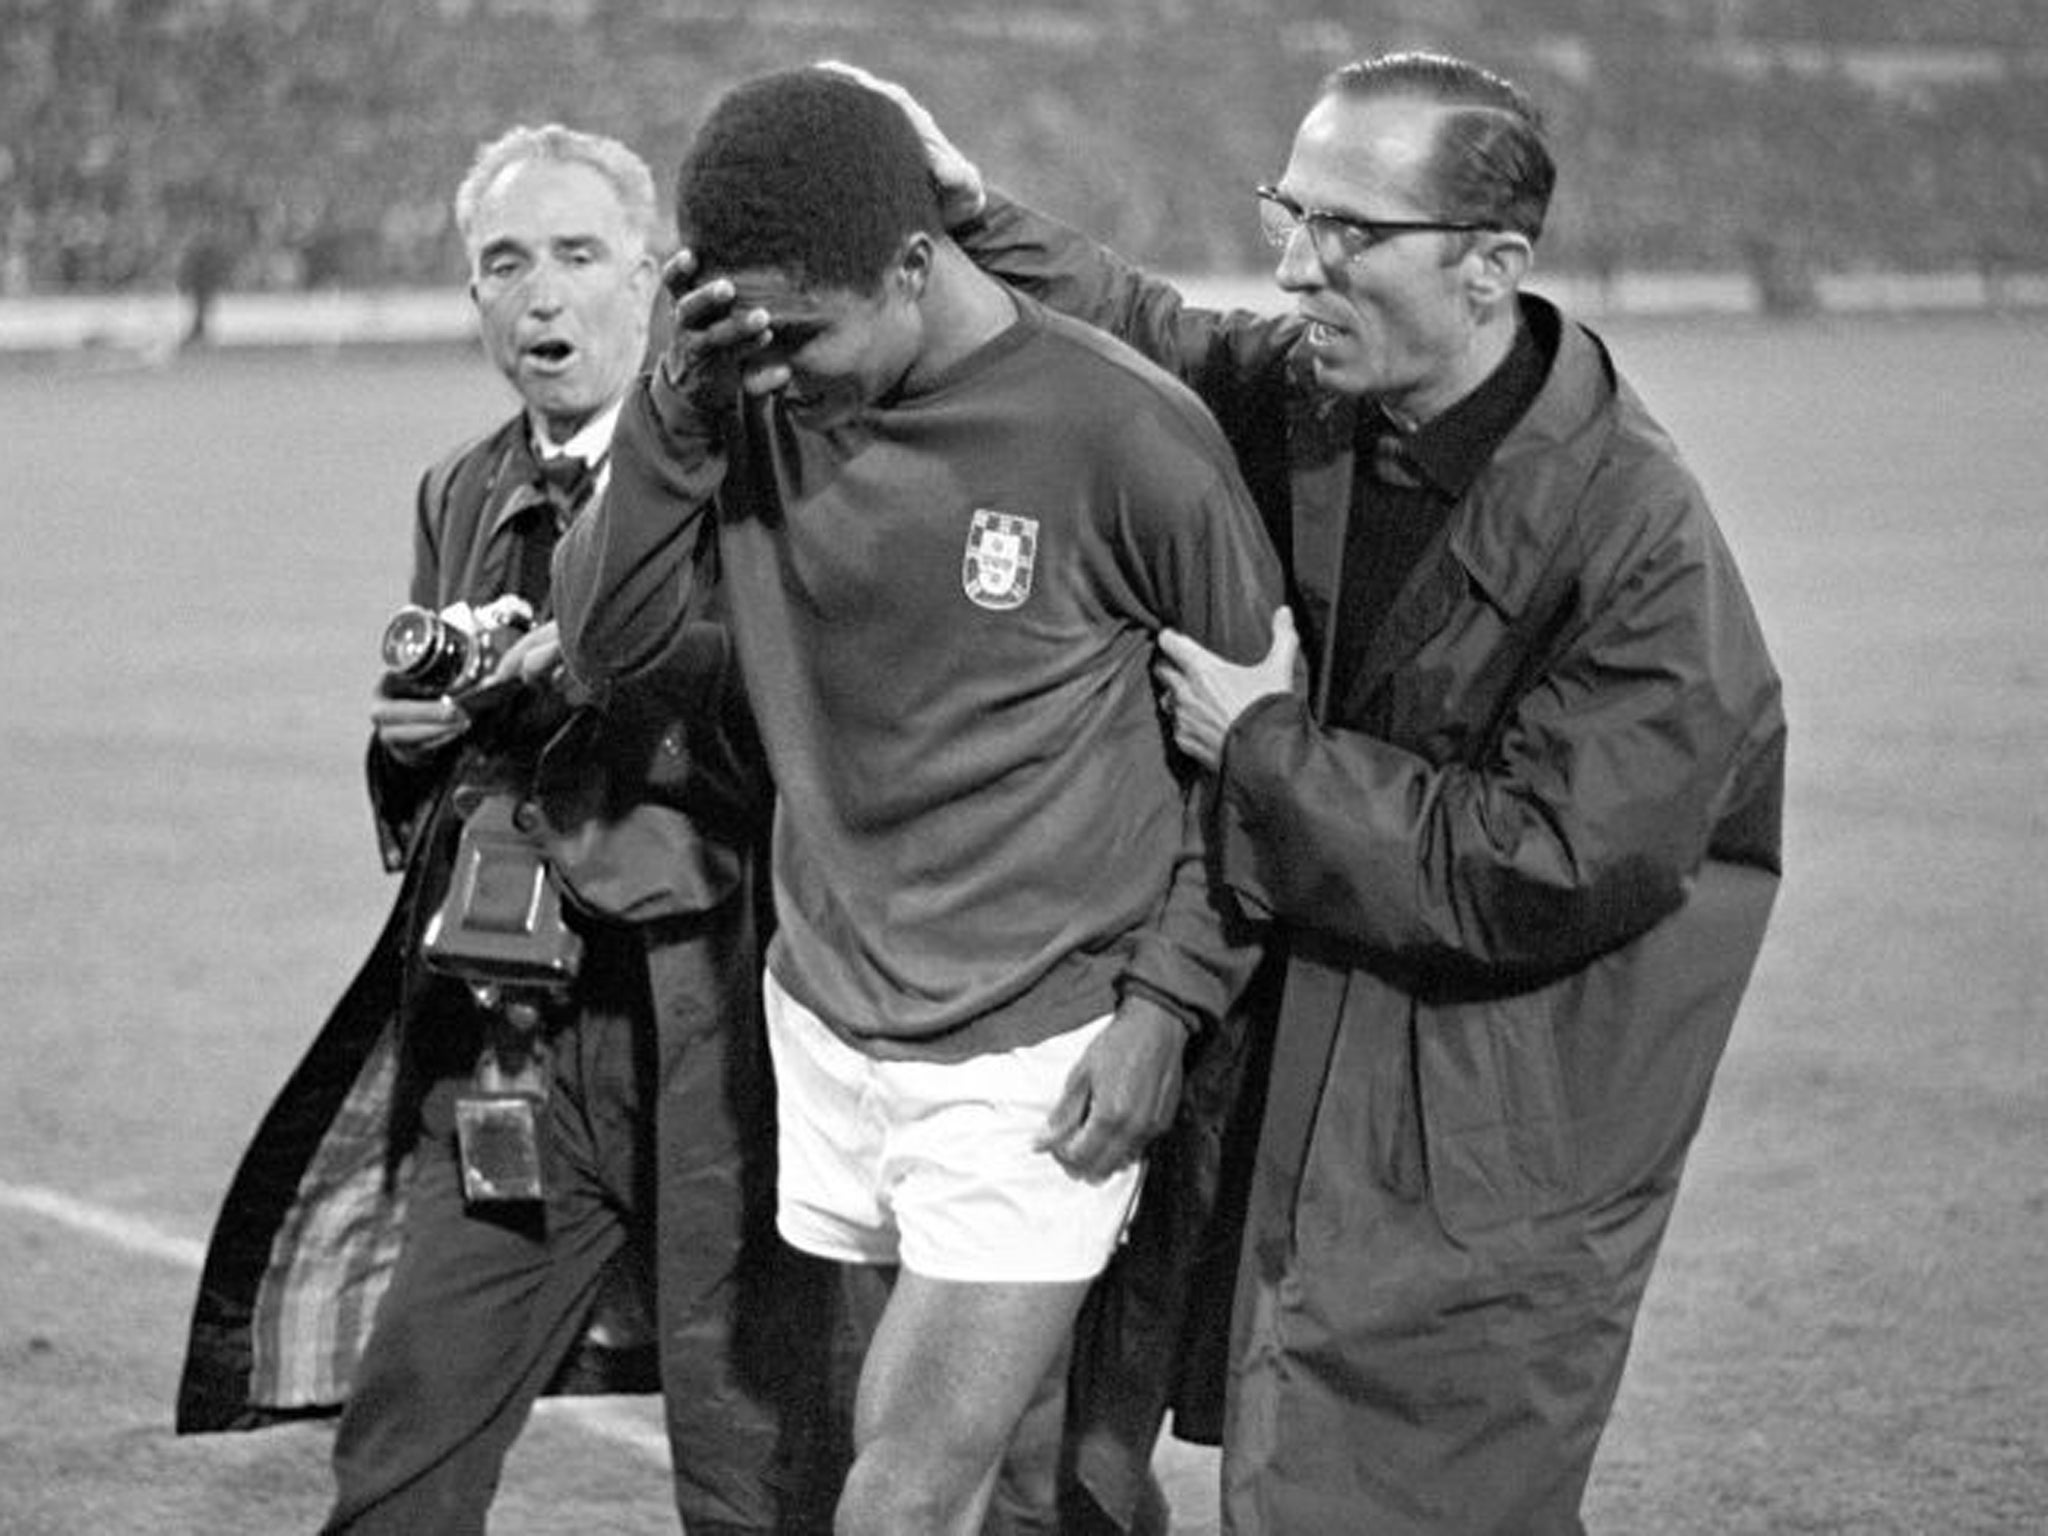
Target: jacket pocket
<point>1497,1133</point>
<point>1361,1154</point>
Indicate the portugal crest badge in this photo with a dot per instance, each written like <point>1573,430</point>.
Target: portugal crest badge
<point>1001,550</point>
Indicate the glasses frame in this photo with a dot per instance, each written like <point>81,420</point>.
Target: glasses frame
<point>1345,234</point>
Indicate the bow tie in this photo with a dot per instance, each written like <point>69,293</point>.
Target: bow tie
<point>1392,464</point>
<point>566,478</point>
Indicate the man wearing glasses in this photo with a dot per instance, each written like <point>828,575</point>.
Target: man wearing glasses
<point>1519,829</point>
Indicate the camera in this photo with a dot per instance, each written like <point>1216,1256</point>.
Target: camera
<point>428,654</point>
<point>500,924</point>
<point>500,928</point>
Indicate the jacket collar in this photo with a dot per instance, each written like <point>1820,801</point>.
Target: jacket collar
<point>1449,450</point>
<point>514,487</point>
<point>1511,519</point>
<point>1503,531</point>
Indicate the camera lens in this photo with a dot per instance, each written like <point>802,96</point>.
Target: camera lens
<point>424,651</point>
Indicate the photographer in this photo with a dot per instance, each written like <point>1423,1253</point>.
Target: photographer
<point>547,1093</point>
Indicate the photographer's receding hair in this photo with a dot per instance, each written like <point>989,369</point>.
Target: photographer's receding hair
<point>1491,164</point>
<point>627,172</point>
<point>807,172</point>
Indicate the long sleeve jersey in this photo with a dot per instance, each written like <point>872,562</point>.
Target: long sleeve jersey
<point>945,614</point>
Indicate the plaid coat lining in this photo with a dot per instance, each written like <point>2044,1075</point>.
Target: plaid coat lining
<point>332,1257</point>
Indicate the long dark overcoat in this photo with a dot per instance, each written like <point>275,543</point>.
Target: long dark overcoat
<point>655,810</point>
<point>1525,867</point>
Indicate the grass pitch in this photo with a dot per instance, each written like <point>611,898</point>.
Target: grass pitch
<point>1844,1334</point>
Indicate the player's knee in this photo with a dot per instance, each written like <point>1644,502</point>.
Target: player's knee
<point>900,1490</point>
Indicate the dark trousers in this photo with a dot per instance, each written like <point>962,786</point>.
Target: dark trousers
<point>659,1148</point>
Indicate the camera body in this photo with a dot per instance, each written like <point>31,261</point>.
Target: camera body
<point>500,925</point>
<point>429,655</point>
<point>500,929</point>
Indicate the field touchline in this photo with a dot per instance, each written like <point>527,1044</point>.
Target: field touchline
<point>128,1233</point>
<point>594,1416</point>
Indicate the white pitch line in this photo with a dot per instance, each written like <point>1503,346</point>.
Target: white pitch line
<point>131,1234</point>
<point>599,1416</point>
<point>125,1232</point>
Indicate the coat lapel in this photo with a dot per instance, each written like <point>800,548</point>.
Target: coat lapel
<point>1420,609</point>
<point>1503,535</point>
<point>1321,427</point>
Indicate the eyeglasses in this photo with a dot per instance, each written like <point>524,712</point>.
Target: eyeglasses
<point>1339,239</point>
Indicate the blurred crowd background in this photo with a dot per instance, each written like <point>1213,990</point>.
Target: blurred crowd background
<point>279,145</point>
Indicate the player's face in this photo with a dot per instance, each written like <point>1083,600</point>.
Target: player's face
<point>844,350</point>
<point>563,285</point>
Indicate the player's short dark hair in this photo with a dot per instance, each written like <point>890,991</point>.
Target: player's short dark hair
<point>810,173</point>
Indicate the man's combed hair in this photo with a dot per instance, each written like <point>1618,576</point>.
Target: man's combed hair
<point>627,172</point>
<point>1491,163</point>
<point>807,172</point>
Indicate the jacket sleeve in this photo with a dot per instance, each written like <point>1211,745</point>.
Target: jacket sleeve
<point>1212,574</point>
<point>1580,826</point>
<point>1234,360</point>
<point>655,788</point>
<point>632,575</point>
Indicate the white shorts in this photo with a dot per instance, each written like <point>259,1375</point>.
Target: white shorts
<point>930,1165</point>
